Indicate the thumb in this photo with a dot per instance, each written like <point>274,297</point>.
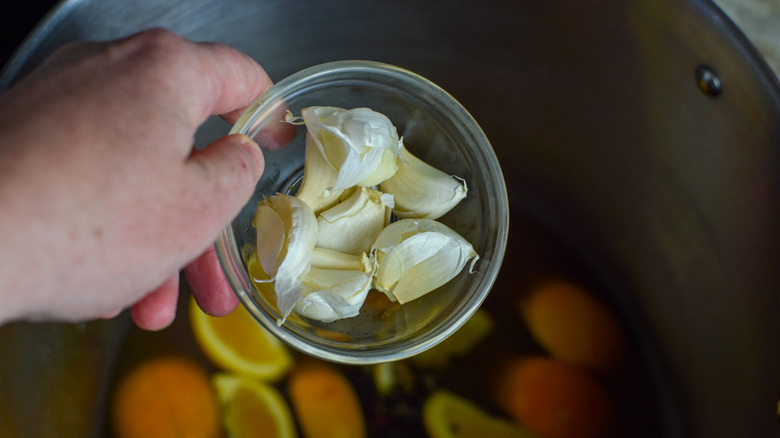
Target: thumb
<point>224,175</point>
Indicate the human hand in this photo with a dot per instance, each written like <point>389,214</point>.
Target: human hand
<point>103,198</point>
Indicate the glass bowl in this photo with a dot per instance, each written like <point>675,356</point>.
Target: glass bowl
<point>437,129</point>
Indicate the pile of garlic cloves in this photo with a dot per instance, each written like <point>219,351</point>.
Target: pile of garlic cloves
<point>326,247</point>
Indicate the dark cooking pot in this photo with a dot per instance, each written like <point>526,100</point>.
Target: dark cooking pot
<point>645,134</point>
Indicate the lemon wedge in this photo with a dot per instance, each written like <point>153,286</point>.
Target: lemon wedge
<point>447,415</point>
<point>237,343</point>
<point>476,329</point>
<point>252,408</point>
<point>389,376</point>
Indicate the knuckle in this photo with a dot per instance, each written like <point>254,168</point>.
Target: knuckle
<point>157,39</point>
<point>158,47</point>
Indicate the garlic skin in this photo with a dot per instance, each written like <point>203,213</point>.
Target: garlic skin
<point>352,225</point>
<point>360,144</point>
<point>416,256</point>
<point>319,177</point>
<point>421,190</point>
<point>286,235</point>
<point>331,294</point>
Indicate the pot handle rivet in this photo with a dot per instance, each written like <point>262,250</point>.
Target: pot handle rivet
<point>708,80</point>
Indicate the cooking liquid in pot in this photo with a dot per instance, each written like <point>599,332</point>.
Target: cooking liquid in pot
<point>534,255</point>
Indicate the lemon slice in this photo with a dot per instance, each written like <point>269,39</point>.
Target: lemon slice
<point>447,415</point>
<point>237,343</point>
<point>477,328</point>
<point>252,408</point>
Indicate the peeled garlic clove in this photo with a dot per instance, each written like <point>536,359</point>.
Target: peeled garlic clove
<point>416,256</point>
<point>422,191</point>
<point>388,165</point>
<point>286,235</point>
<point>330,294</point>
<point>325,258</point>
<point>319,177</point>
<point>353,225</point>
<point>361,144</point>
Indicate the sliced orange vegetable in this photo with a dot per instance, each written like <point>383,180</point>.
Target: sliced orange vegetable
<point>554,398</point>
<point>325,403</point>
<point>572,325</point>
<point>165,397</point>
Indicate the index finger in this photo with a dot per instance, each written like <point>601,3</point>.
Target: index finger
<point>239,83</point>
<point>234,79</point>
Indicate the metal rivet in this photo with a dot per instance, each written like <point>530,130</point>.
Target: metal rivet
<point>708,80</point>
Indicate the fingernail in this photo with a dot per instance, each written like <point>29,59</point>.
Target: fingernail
<point>245,139</point>
<point>112,314</point>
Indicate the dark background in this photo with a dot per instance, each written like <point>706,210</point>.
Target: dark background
<point>17,19</point>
